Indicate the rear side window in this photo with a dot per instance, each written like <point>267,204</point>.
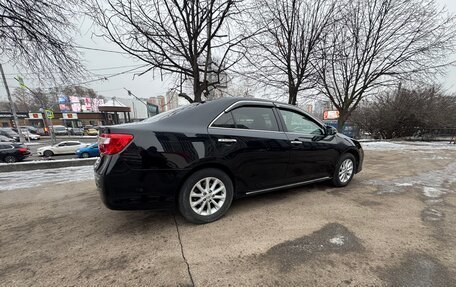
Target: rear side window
<point>255,118</point>
<point>225,121</point>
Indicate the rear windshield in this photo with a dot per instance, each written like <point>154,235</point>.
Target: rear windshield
<point>170,113</point>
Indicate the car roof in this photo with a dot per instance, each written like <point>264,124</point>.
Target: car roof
<point>196,115</point>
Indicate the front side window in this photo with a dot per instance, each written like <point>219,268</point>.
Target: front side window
<point>255,118</point>
<point>298,123</point>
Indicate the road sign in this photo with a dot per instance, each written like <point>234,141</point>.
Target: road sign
<point>49,114</point>
<point>20,80</point>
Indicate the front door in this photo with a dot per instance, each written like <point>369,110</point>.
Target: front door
<point>249,140</point>
<point>311,155</point>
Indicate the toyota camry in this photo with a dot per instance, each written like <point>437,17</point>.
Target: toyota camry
<point>201,157</point>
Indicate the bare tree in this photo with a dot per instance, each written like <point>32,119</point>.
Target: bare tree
<point>291,31</point>
<point>195,40</point>
<point>36,37</point>
<point>375,42</point>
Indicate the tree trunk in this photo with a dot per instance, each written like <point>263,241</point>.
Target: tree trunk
<point>292,96</point>
<point>341,121</point>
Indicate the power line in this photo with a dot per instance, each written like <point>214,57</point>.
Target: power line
<point>101,50</point>
<point>104,77</point>
<point>98,69</point>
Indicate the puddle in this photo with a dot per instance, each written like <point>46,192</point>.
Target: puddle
<point>332,238</point>
<point>417,270</point>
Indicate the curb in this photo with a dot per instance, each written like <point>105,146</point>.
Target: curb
<point>46,164</point>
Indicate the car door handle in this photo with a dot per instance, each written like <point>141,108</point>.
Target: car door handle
<point>227,140</point>
<point>296,142</point>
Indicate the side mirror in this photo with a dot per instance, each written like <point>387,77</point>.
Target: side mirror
<point>330,131</point>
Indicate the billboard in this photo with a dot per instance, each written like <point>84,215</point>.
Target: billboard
<point>330,115</point>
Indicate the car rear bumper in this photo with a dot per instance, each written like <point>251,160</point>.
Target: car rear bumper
<point>122,188</point>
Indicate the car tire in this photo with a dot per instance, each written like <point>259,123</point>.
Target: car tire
<point>48,153</point>
<point>85,155</point>
<point>344,171</point>
<point>10,159</point>
<point>214,198</point>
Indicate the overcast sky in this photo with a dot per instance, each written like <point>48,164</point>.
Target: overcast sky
<point>145,86</point>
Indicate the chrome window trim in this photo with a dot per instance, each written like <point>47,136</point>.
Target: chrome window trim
<point>288,185</point>
<point>252,130</point>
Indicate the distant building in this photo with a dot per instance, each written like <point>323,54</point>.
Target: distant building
<point>138,108</point>
<point>172,98</point>
<point>165,103</point>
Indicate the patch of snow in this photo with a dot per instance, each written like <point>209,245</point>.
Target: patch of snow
<point>432,192</point>
<point>49,160</point>
<point>338,240</point>
<point>403,184</point>
<point>33,178</point>
<point>30,144</point>
<point>402,145</point>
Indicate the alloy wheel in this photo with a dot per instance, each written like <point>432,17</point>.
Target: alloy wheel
<point>10,159</point>
<point>346,170</point>
<point>207,196</point>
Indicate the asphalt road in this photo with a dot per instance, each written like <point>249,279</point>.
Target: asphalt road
<point>34,145</point>
<point>394,225</point>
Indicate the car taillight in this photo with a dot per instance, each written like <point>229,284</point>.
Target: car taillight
<point>113,143</point>
<point>22,149</point>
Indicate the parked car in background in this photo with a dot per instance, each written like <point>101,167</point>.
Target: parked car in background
<point>6,139</point>
<point>90,131</point>
<point>13,152</point>
<point>65,147</point>
<point>9,132</point>
<point>59,130</point>
<point>28,135</point>
<point>76,131</point>
<point>31,129</point>
<point>89,151</point>
<point>202,156</point>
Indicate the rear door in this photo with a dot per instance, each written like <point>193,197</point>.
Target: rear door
<point>71,147</point>
<point>248,139</point>
<point>312,154</point>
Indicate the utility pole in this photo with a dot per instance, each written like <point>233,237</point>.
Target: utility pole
<point>13,107</point>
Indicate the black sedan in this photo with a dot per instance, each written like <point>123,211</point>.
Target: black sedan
<point>12,152</point>
<point>202,156</point>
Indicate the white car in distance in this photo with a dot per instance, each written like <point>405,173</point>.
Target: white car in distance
<point>28,135</point>
<point>65,147</point>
